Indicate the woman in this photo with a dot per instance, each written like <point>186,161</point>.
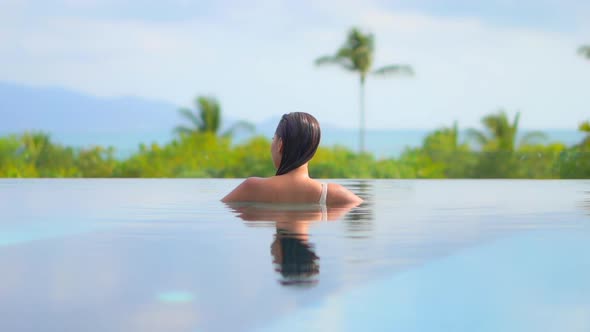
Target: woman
<point>295,142</point>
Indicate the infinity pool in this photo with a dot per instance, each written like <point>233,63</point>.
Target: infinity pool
<point>166,255</point>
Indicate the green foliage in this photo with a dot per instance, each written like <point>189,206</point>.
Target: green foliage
<point>538,161</point>
<point>195,155</point>
<point>421,165</point>
<point>250,159</point>
<point>575,161</point>
<point>96,162</point>
<point>584,51</point>
<point>34,155</point>
<point>442,148</point>
<point>498,157</point>
<point>500,134</point>
<point>204,154</point>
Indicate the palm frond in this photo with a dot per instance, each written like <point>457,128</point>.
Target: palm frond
<point>326,60</point>
<point>498,125</point>
<point>356,39</point>
<point>344,52</point>
<point>515,122</point>
<point>189,115</point>
<point>182,130</point>
<point>477,136</point>
<point>493,124</point>
<point>210,113</point>
<point>344,62</point>
<point>394,70</point>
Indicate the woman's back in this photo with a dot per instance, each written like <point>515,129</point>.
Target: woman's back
<point>286,189</point>
<point>291,189</point>
<point>295,142</point>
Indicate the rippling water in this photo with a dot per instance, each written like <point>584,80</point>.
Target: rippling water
<point>166,255</point>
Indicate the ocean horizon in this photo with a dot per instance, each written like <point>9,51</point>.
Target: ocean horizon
<point>383,143</point>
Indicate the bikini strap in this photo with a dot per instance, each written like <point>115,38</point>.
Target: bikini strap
<point>324,194</point>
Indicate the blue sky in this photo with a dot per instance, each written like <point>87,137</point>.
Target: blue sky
<point>471,57</point>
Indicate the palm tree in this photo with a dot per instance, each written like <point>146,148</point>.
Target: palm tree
<point>208,119</point>
<point>356,55</point>
<point>501,133</point>
<point>584,51</point>
<point>499,142</point>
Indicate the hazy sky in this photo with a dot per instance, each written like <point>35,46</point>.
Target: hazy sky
<point>471,57</point>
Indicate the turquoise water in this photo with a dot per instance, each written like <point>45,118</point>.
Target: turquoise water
<point>166,255</point>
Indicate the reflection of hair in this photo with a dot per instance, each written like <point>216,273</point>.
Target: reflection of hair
<point>295,259</point>
<point>300,134</point>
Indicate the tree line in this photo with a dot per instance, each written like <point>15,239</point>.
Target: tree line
<point>200,149</point>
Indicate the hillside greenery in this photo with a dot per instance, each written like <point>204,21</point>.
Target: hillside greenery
<point>489,153</point>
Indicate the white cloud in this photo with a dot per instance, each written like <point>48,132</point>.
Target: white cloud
<point>258,61</point>
<point>467,68</point>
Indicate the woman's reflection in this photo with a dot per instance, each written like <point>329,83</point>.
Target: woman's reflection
<point>293,255</point>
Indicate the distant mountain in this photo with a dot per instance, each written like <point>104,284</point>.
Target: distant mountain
<point>78,119</point>
<point>59,110</point>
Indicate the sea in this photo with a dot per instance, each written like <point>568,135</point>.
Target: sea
<point>382,143</point>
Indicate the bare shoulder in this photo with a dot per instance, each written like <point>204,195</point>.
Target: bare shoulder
<point>340,195</point>
<point>245,191</point>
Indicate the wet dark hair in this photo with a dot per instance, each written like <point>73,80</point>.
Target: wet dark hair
<point>300,134</point>
<point>295,260</point>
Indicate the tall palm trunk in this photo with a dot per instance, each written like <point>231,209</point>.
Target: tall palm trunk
<point>356,55</point>
<point>362,116</point>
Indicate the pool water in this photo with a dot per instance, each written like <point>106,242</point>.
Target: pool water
<point>167,255</point>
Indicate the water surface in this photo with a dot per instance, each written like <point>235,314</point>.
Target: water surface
<point>166,255</point>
